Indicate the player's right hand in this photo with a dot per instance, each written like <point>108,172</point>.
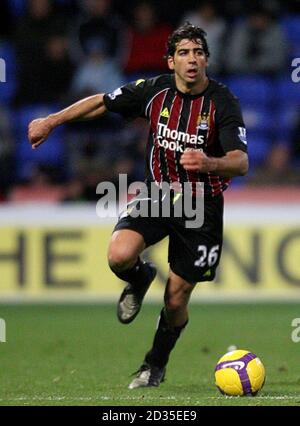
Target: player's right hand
<point>38,131</point>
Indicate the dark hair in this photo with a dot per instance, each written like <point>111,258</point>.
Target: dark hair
<point>189,31</point>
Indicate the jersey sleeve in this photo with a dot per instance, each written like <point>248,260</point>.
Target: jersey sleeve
<point>232,131</point>
<point>128,100</point>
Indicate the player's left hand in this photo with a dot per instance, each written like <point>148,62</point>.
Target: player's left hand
<point>196,161</point>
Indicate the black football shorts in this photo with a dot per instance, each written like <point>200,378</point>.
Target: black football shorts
<point>193,253</point>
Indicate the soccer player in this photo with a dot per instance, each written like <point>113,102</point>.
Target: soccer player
<point>197,134</point>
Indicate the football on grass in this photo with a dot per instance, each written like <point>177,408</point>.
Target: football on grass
<point>239,373</point>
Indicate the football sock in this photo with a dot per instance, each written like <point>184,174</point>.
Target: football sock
<point>164,341</point>
<point>136,275</point>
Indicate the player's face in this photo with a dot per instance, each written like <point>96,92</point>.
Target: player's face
<point>189,63</point>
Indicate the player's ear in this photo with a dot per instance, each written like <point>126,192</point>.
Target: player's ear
<point>171,62</point>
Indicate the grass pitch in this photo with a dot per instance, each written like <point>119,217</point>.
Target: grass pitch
<point>81,355</point>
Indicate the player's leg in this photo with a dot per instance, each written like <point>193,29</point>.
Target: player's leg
<point>124,249</point>
<point>172,321</point>
<point>131,236</point>
<point>177,296</point>
<point>194,254</point>
<point>124,260</point>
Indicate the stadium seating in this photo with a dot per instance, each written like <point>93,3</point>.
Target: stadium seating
<point>291,28</point>
<point>251,90</point>
<point>256,96</point>
<point>259,144</point>
<point>52,155</point>
<point>258,119</point>
<point>287,101</point>
<point>18,7</point>
<point>288,92</point>
<point>8,88</point>
<point>270,105</point>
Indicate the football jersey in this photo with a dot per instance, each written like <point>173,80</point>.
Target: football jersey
<point>210,121</point>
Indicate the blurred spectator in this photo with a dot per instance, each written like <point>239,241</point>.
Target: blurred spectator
<point>91,149</point>
<point>256,45</point>
<point>132,145</point>
<point>293,6</point>
<point>40,188</point>
<point>278,169</point>
<point>98,73</point>
<point>6,154</point>
<point>295,150</point>
<point>58,69</point>
<point>282,164</point>
<point>206,17</point>
<point>101,149</point>
<point>6,24</point>
<point>102,156</point>
<point>68,8</point>
<point>41,52</point>
<point>90,172</point>
<point>146,41</point>
<point>101,25</point>
<point>74,191</point>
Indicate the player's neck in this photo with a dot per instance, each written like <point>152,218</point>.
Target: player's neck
<point>192,88</point>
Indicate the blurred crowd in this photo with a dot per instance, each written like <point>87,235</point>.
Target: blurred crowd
<point>58,51</point>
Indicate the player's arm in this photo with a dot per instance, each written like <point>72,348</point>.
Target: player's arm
<point>85,109</point>
<point>233,163</point>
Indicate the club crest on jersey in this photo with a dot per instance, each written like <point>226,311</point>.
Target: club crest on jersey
<point>203,121</point>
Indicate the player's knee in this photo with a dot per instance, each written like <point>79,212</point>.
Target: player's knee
<point>120,260</point>
<point>175,302</point>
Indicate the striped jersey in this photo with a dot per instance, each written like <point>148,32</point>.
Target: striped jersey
<point>210,121</point>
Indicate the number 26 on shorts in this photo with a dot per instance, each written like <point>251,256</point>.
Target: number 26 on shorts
<point>207,258</point>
